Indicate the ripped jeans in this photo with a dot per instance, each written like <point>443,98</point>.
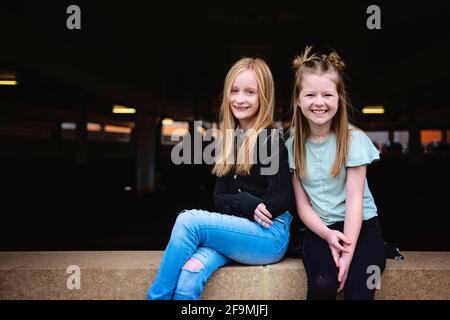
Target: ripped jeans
<point>203,241</point>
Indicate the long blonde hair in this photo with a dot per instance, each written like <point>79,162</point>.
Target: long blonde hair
<point>225,161</point>
<point>312,63</point>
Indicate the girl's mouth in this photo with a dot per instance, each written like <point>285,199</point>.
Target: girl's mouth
<point>241,108</point>
<point>319,111</point>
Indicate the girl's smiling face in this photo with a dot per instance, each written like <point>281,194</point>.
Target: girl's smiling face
<point>244,98</point>
<point>318,100</point>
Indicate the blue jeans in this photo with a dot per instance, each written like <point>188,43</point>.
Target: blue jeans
<point>202,241</point>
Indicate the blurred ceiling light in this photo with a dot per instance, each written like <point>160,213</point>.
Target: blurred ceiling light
<point>94,126</point>
<point>175,128</point>
<point>8,83</point>
<point>122,109</point>
<point>68,126</point>
<point>373,110</point>
<point>167,121</point>
<point>117,129</point>
<point>7,78</point>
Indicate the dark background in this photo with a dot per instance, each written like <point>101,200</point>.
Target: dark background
<point>169,59</point>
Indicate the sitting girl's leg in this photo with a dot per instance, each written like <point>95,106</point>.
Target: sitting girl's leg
<point>196,272</point>
<point>236,238</point>
<point>369,254</point>
<point>320,268</point>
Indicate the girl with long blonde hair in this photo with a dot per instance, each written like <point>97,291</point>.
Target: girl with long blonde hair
<point>252,196</point>
<point>329,158</point>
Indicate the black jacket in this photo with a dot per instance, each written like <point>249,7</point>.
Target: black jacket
<point>239,195</point>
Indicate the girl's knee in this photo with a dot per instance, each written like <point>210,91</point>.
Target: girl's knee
<point>186,219</point>
<point>191,281</point>
<point>325,282</point>
<point>323,287</point>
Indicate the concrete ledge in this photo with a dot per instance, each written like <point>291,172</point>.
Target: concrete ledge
<point>128,274</point>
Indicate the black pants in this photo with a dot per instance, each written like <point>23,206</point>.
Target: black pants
<point>322,272</point>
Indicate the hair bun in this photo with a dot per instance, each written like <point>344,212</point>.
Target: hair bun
<point>332,59</point>
<point>298,61</point>
<point>303,58</point>
<point>336,61</point>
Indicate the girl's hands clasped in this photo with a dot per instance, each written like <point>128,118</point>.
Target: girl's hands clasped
<point>334,237</point>
<point>341,255</point>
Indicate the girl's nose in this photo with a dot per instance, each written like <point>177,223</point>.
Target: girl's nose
<point>241,97</point>
<point>319,101</point>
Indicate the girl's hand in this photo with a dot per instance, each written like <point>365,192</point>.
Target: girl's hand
<point>262,215</point>
<point>333,238</point>
<point>336,255</point>
<point>344,266</point>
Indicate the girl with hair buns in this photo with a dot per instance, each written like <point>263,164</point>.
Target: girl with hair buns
<point>251,223</point>
<point>343,242</point>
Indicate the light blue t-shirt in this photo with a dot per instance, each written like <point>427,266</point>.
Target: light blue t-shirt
<point>326,194</point>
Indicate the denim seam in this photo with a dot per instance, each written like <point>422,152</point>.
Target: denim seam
<point>238,231</point>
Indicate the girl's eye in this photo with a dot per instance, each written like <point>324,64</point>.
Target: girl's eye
<point>250,92</point>
<point>234,90</point>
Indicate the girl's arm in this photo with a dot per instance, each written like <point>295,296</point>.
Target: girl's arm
<point>277,199</point>
<point>354,186</point>
<point>306,213</point>
<point>279,196</point>
<point>356,176</point>
<point>314,223</point>
<point>242,204</point>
